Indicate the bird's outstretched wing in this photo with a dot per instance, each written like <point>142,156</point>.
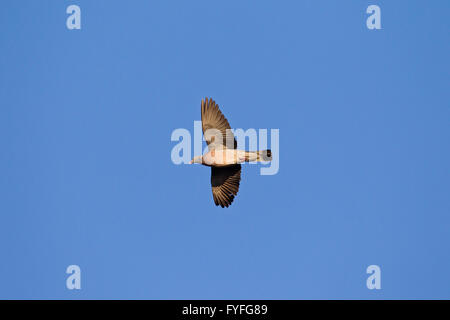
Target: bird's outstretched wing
<point>215,126</point>
<point>225,184</point>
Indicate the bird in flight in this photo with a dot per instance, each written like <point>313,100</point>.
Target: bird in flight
<point>223,156</point>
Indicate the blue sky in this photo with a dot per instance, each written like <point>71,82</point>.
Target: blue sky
<point>85,123</point>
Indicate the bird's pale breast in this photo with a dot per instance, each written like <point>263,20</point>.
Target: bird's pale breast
<point>223,157</point>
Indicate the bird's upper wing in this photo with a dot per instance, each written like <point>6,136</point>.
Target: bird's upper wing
<point>225,184</point>
<point>215,126</point>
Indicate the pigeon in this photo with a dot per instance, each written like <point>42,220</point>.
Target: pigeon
<point>223,156</point>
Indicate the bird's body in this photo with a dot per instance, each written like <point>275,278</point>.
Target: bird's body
<point>226,157</point>
<point>223,156</point>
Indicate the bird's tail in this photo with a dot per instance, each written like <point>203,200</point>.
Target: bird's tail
<point>264,155</point>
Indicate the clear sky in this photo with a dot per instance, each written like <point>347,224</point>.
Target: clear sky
<point>87,179</point>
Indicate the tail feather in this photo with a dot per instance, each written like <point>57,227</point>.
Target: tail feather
<point>264,155</point>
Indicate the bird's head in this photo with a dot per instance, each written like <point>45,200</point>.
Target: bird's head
<point>197,159</point>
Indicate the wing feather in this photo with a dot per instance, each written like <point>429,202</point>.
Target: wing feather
<point>215,126</point>
<point>225,184</point>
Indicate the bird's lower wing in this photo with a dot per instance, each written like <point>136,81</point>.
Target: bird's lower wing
<point>225,184</point>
